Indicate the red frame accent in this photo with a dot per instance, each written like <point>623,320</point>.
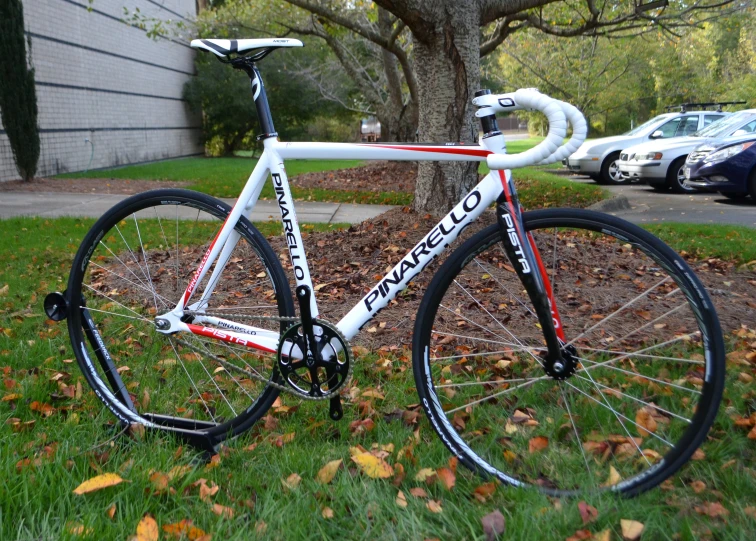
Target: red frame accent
<point>226,336</point>
<point>443,150</point>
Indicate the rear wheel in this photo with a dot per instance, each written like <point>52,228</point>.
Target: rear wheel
<point>135,264</point>
<point>610,173</point>
<point>645,358</point>
<point>676,176</point>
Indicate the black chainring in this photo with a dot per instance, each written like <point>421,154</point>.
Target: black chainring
<point>321,373</point>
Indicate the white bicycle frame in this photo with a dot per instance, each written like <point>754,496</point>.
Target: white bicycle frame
<point>271,163</point>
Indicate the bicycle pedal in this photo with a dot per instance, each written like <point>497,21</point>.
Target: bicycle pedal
<point>335,411</point>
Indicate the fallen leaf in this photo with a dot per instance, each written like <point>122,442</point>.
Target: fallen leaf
<point>147,529</point>
<point>373,466</point>
<point>614,477</point>
<point>493,525</point>
<point>539,443</point>
<point>484,491</point>
<point>603,535</point>
<point>712,509</point>
<point>184,528</point>
<point>698,486</point>
<point>631,529</point>
<point>223,511</point>
<point>434,506</point>
<point>327,513</point>
<point>401,500</point>
<point>587,512</point>
<point>580,535</point>
<point>207,492</point>
<point>327,472</point>
<point>291,482</point>
<point>424,474</point>
<point>97,483</point>
<point>111,511</point>
<point>698,454</point>
<point>645,421</point>
<point>372,393</point>
<point>418,492</point>
<point>447,477</point>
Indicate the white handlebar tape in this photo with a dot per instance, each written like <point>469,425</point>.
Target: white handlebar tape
<point>530,99</point>
<point>579,133</point>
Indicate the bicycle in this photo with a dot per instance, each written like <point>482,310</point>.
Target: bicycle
<point>601,371</point>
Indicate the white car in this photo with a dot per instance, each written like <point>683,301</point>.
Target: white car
<point>661,163</point>
<point>598,158</point>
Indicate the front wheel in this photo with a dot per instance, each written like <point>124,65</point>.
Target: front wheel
<point>644,356</point>
<point>610,172</point>
<point>134,265</point>
<point>676,177</point>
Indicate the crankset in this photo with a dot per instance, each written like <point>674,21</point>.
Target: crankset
<point>314,359</point>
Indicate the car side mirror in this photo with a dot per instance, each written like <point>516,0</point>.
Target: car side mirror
<point>658,134</point>
<point>740,132</point>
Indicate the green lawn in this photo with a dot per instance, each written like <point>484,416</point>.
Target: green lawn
<point>225,177</point>
<point>729,242</point>
<point>42,463</point>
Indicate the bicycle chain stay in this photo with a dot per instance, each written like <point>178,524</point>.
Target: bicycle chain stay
<point>262,379</point>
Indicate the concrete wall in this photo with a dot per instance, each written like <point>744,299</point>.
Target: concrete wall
<point>103,80</point>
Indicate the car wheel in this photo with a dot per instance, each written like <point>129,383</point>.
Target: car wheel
<point>735,196</point>
<point>610,173</point>
<point>595,177</point>
<point>752,184</point>
<point>676,176</point>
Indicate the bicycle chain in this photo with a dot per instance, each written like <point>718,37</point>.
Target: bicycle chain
<point>270,382</point>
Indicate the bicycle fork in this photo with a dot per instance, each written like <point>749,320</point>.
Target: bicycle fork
<point>523,253</point>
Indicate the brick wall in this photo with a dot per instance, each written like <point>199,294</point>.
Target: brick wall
<point>105,81</point>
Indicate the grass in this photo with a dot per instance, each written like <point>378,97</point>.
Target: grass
<point>36,500</point>
<point>729,242</point>
<point>225,177</point>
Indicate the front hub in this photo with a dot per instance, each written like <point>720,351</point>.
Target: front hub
<point>563,366</point>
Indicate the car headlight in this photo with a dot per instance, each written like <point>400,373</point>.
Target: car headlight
<point>727,153</point>
<point>649,156</point>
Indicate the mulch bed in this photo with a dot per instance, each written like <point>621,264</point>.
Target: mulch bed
<point>115,186</point>
<point>346,264</point>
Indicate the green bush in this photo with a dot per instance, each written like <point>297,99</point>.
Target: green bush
<point>18,98</point>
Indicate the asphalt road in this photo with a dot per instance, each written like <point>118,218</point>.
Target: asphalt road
<point>648,206</point>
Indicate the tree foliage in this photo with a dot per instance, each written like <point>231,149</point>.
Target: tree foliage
<point>18,98</point>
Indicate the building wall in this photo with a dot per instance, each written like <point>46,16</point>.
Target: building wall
<point>103,85</point>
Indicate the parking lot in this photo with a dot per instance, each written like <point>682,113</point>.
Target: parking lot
<point>648,206</point>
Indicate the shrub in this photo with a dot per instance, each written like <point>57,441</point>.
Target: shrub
<point>18,98</point>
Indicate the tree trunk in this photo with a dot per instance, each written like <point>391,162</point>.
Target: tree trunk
<point>447,63</point>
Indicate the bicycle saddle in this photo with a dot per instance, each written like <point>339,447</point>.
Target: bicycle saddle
<point>225,47</point>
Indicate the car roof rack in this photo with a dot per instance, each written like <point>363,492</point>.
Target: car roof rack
<point>718,104</point>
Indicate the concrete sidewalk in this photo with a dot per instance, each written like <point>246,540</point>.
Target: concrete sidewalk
<point>53,205</point>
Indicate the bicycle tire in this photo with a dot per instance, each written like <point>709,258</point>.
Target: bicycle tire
<point>496,445</point>
<point>114,281</point>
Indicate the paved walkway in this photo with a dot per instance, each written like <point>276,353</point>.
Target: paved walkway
<point>53,205</point>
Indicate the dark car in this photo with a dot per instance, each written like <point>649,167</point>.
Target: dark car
<point>727,166</point>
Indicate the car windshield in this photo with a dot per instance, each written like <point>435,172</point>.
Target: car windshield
<point>725,126</point>
<point>647,124</point>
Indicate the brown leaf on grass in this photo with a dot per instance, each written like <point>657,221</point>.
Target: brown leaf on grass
<point>207,492</point>
<point>136,431</point>
<point>752,434</point>
<point>159,481</point>
<point>401,500</point>
<point>698,486</point>
<point>398,474</point>
<point>418,492</point>
<point>184,529</point>
<point>712,509</point>
<point>372,466</point>
<point>11,397</point>
<point>327,472</point>
<point>698,454</point>
<point>645,421</point>
<point>372,393</point>
<point>580,535</point>
<point>361,426</point>
<point>223,511</point>
<point>111,511</point>
<point>434,506</point>
<point>631,529</point>
<point>291,482</point>
<point>327,513</point>
<point>42,408</point>
<point>603,535</point>
<point>539,443</point>
<point>587,512</point>
<point>750,511</point>
<point>97,483</point>
<point>147,529</point>
<point>447,477</point>
<point>484,491</point>
<point>261,527</point>
<point>493,525</point>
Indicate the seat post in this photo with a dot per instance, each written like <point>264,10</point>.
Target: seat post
<point>259,95</point>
